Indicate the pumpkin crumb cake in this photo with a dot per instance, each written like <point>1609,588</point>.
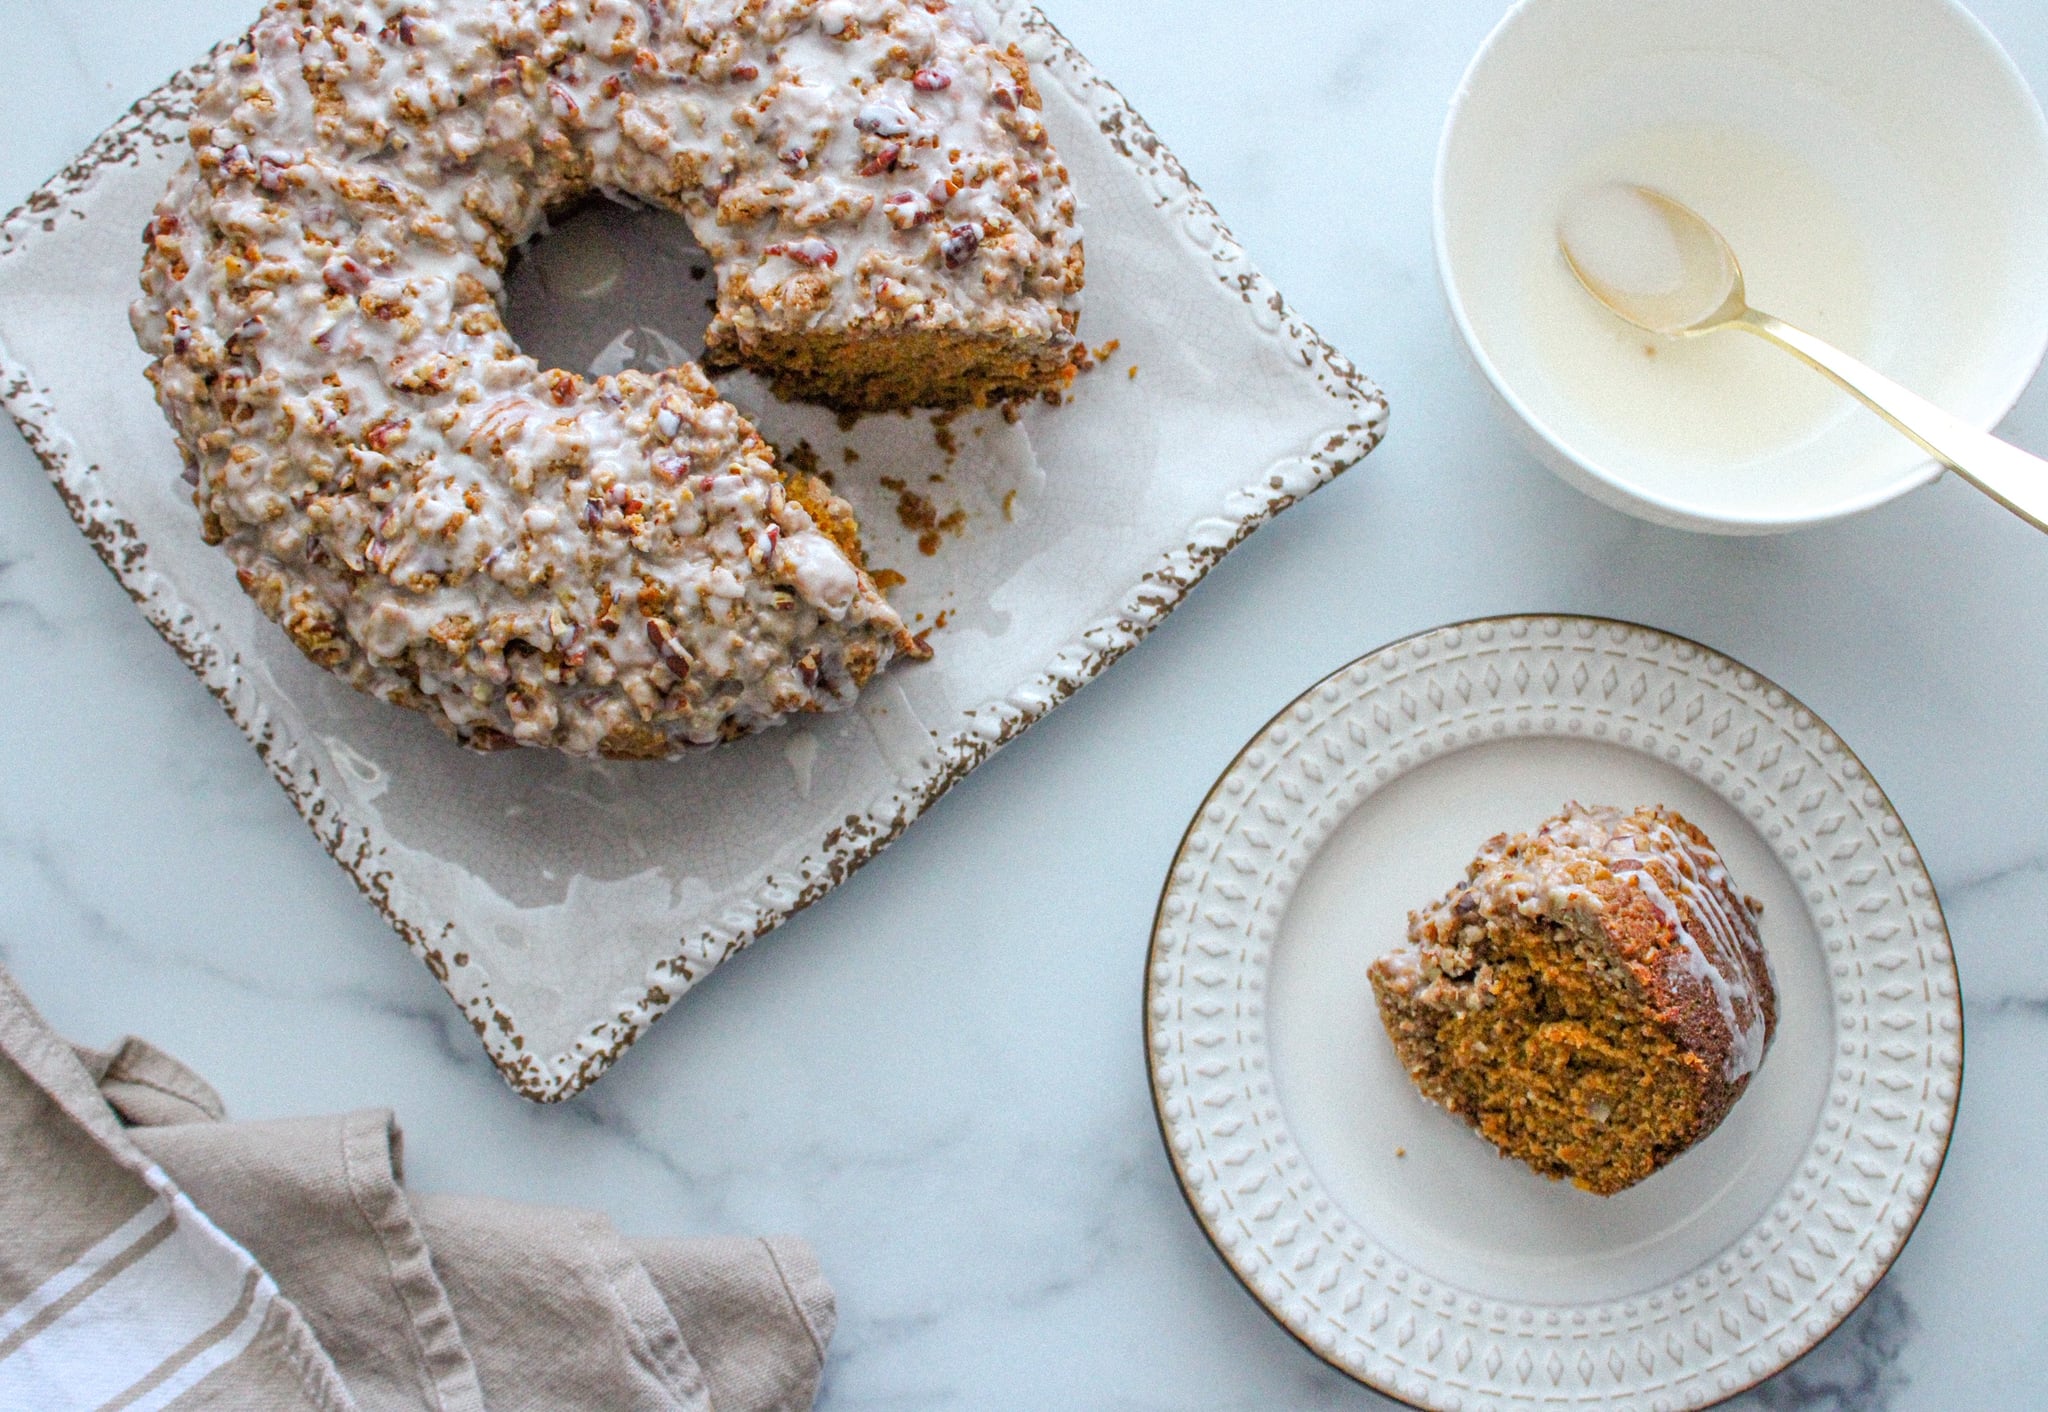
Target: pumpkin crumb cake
<point>609,565</point>
<point>1592,998</point>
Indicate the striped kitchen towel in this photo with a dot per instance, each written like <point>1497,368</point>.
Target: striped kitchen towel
<point>155,1255</point>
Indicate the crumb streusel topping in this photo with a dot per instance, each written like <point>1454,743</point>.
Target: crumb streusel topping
<point>609,566</point>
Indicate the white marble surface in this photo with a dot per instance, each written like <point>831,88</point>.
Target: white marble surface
<point>936,1075</point>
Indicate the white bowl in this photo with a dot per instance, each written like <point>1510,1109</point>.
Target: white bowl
<point>1881,169</point>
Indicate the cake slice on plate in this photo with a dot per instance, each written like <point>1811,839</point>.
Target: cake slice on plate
<point>1593,997</point>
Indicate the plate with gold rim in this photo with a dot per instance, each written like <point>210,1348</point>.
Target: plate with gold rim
<point>1385,1235</point>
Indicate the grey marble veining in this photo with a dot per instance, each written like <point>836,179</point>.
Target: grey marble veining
<point>937,1075</point>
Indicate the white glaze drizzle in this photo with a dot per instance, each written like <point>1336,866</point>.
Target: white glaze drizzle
<point>1714,930</point>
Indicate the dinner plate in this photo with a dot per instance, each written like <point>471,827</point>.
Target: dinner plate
<point>1385,1234</point>
<point>566,904</point>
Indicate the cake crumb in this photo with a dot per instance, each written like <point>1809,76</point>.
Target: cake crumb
<point>886,579</point>
<point>850,454</point>
<point>922,518</point>
<point>1087,360</point>
<point>1010,505</point>
<point>1649,350</point>
<point>1133,373</point>
<point>1400,1152</point>
<point>942,432</point>
<point>800,457</point>
<point>945,616</point>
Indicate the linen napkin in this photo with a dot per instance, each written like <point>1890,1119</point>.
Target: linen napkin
<point>155,1255</point>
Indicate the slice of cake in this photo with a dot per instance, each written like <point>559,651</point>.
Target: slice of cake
<point>1593,998</point>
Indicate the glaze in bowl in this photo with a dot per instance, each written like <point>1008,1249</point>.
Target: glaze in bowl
<point>1880,167</point>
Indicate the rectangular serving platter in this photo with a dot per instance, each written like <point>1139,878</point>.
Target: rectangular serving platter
<point>566,904</point>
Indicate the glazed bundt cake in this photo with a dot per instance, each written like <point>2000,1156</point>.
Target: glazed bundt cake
<point>615,565</point>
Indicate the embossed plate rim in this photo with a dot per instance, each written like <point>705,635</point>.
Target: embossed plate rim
<point>1773,1352</point>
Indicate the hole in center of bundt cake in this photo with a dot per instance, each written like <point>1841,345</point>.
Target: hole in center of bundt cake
<point>1559,1063</point>
<point>607,285</point>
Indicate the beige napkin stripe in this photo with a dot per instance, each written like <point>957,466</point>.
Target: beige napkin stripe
<point>191,1364</point>
<point>139,1318</point>
<point>107,1257</point>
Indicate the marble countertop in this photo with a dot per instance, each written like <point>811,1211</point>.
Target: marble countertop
<point>937,1074</point>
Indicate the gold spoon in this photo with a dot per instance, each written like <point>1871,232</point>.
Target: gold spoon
<point>1661,267</point>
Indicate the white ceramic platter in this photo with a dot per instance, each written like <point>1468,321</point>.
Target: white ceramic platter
<point>565,905</point>
<point>1386,1235</point>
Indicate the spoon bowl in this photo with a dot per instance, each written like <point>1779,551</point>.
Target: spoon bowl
<point>1651,260</point>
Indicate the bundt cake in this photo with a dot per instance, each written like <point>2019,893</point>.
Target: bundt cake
<point>616,565</point>
<point>1592,998</point>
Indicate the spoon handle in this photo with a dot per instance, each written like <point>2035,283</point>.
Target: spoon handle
<point>2014,478</point>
